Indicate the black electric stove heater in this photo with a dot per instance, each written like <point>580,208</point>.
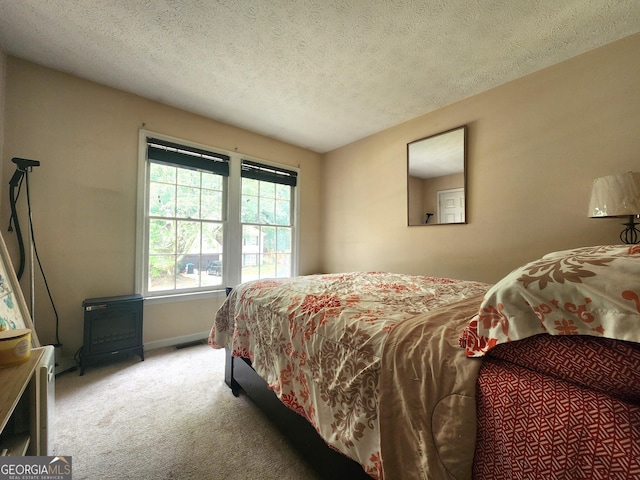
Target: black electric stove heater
<point>112,327</point>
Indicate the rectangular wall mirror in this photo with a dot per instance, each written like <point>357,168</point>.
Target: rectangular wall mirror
<point>436,178</point>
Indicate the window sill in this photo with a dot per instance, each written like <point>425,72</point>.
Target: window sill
<point>184,297</point>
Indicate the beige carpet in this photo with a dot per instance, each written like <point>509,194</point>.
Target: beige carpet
<point>169,417</point>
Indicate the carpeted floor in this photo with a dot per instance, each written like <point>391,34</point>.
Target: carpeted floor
<point>169,417</point>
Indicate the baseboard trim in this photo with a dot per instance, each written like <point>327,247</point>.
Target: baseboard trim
<point>170,342</point>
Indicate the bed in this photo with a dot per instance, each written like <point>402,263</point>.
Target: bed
<point>415,377</point>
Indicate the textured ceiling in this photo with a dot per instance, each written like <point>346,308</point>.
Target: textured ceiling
<point>315,73</point>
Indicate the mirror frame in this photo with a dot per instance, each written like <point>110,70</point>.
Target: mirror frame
<point>464,175</point>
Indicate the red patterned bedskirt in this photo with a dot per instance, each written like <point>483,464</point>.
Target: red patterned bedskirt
<point>562,408</point>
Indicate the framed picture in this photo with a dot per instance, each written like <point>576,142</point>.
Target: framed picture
<point>14,313</point>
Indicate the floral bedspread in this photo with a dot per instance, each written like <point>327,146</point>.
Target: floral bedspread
<point>318,340</point>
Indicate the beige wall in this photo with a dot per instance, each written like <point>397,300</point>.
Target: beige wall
<point>84,193</point>
<point>415,201</point>
<point>3,68</point>
<point>535,146</point>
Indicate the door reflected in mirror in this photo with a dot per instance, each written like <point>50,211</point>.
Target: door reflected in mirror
<point>436,178</point>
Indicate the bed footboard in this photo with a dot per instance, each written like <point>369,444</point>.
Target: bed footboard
<point>327,462</point>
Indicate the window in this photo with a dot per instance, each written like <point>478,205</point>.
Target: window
<point>185,217</point>
<point>267,221</point>
<point>210,219</point>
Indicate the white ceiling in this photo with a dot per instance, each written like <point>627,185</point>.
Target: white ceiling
<point>315,73</point>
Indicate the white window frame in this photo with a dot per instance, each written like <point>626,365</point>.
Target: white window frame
<point>232,248</point>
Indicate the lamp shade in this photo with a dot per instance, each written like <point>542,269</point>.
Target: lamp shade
<point>615,195</point>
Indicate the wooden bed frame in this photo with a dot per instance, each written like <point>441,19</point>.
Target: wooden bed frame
<point>327,462</point>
